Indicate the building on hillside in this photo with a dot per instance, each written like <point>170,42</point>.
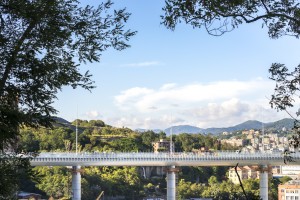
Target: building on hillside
<point>266,140</point>
<point>248,132</point>
<point>225,133</point>
<point>234,177</point>
<point>245,132</point>
<point>290,169</point>
<point>234,142</point>
<point>161,146</point>
<point>252,172</point>
<point>289,191</point>
<point>276,170</point>
<point>246,172</point>
<point>249,137</point>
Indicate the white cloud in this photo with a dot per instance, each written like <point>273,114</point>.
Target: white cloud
<point>93,114</point>
<point>227,113</point>
<point>217,104</point>
<point>168,86</point>
<point>127,99</point>
<point>142,64</point>
<point>141,99</point>
<point>145,122</point>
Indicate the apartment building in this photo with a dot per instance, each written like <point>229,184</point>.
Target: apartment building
<point>245,172</point>
<point>289,190</point>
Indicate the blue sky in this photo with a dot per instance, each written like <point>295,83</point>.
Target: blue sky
<point>181,77</point>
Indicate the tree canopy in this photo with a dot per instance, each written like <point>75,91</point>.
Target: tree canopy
<point>42,45</point>
<point>221,16</point>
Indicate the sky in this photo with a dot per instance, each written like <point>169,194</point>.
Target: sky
<point>182,77</point>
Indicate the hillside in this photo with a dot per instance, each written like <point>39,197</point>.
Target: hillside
<point>250,124</point>
<point>183,129</point>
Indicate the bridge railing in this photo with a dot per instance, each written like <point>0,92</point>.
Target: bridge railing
<point>182,155</point>
<point>160,159</point>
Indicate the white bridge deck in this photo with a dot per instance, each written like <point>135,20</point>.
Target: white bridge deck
<point>218,158</point>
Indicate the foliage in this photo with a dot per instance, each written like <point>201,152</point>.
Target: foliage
<point>219,17</point>
<point>273,188</point>
<point>284,179</point>
<point>121,180</point>
<point>86,123</point>
<point>252,186</point>
<point>147,138</point>
<point>202,174</point>
<point>286,90</point>
<point>188,189</point>
<point>55,181</point>
<point>33,140</point>
<point>126,144</point>
<point>29,141</point>
<point>226,190</point>
<point>13,169</point>
<point>188,142</point>
<point>42,45</point>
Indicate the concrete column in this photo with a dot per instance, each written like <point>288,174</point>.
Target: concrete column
<point>76,183</point>
<point>171,183</point>
<point>264,183</point>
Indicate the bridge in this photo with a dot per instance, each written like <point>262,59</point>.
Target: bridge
<point>170,160</point>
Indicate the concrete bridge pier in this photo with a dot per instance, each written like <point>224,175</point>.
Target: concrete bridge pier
<point>264,182</point>
<point>171,182</point>
<point>76,183</point>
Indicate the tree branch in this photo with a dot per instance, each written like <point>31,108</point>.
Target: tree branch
<point>241,184</point>
<point>254,19</point>
<point>14,54</point>
<point>265,6</point>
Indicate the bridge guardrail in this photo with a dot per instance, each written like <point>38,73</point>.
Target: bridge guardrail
<point>160,159</point>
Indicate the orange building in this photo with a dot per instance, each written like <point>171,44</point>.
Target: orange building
<point>289,191</point>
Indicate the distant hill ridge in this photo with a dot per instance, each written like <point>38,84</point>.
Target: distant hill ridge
<point>250,124</point>
<point>247,125</point>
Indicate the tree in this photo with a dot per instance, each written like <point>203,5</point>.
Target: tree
<point>147,138</point>
<point>29,142</point>
<point>185,142</point>
<point>13,169</point>
<point>126,144</point>
<point>284,179</point>
<point>43,44</point>
<point>286,90</point>
<point>98,123</point>
<point>187,189</point>
<point>121,181</point>
<point>55,181</point>
<point>218,17</point>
